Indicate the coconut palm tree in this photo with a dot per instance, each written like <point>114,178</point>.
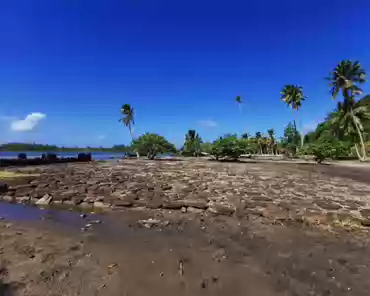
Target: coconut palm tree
<point>258,138</point>
<point>128,119</point>
<point>347,119</point>
<point>293,96</point>
<point>239,101</point>
<point>272,141</point>
<point>192,143</point>
<point>346,78</point>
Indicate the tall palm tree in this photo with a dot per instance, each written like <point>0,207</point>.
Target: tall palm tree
<point>258,137</point>
<point>346,78</point>
<point>239,101</point>
<point>293,96</point>
<point>128,119</point>
<point>272,141</point>
<point>347,119</point>
<point>193,142</point>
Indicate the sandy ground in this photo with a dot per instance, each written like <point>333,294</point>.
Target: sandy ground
<point>141,251</point>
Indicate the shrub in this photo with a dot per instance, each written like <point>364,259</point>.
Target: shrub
<point>152,144</point>
<point>229,147</point>
<point>328,149</point>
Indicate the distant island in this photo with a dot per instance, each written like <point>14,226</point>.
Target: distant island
<point>23,147</point>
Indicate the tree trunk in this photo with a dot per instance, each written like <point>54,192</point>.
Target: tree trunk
<point>363,150</point>
<point>132,139</point>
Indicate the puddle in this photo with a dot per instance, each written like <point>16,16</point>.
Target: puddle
<point>20,212</point>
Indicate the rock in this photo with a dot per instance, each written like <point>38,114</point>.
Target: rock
<point>199,204</point>
<point>220,209</point>
<point>328,205</point>
<point>45,200</point>
<point>83,216</point>
<point>3,187</point>
<point>173,205</point>
<point>23,199</point>
<point>149,223</point>
<point>365,222</point>
<point>8,198</point>
<point>219,255</point>
<point>122,203</point>
<point>365,213</point>
<point>183,209</point>
<point>99,204</point>
<point>194,210</point>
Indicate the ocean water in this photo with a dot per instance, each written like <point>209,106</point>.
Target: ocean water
<point>33,154</point>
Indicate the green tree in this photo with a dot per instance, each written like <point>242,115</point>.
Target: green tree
<point>346,78</point>
<point>128,120</point>
<point>258,140</point>
<point>228,148</point>
<point>293,96</point>
<point>272,140</point>
<point>152,144</point>
<point>290,140</point>
<point>347,120</point>
<point>206,147</point>
<point>245,136</point>
<point>192,143</point>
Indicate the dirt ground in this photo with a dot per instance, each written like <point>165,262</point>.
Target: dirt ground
<point>142,251</point>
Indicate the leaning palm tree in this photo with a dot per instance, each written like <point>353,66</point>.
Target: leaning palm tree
<point>128,119</point>
<point>347,119</point>
<point>293,96</point>
<point>346,78</point>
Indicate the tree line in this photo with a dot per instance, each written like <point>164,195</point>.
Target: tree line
<point>344,132</point>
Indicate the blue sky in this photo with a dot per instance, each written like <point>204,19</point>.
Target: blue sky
<point>70,65</point>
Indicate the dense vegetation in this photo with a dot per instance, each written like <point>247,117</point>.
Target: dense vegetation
<point>344,133</point>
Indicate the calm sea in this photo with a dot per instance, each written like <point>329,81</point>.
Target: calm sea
<point>33,154</point>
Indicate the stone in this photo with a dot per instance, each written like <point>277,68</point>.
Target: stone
<point>328,205</point>
<point>199,204</point>
<point>45,200</point>
<point>23,199</point>
<point>99,204</point>
<point>183,209</point>
<point>365,213</point>
<point>8,198</point>
<point>122,203</point>
<point>194,210</point>
<point>173,205</point>
<point>3,187</point>
<point>220,209</point>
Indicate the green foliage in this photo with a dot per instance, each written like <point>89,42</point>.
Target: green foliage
<point>152,144</point>
<point>206,147</point>
<point>291,138</point>
<point>229,147</point>
<point>192,145</point>
<point>293,96</point>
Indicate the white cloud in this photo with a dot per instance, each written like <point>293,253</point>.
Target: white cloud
<point>28,123</point>
<point>101,137</point>
<point>208,123</point>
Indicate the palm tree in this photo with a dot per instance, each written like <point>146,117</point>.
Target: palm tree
<point>347,119</point>
<point>293,96</point>
<point>346,77</point>
<point>272,141</point>
<point>239,101</point>
<point>192,142</point>
<point>258,137</point>
<point>128,119</point>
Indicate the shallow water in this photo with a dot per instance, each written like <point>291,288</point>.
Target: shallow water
<point>20,212</point>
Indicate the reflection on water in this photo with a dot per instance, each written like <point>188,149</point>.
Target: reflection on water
<point>20,212</point>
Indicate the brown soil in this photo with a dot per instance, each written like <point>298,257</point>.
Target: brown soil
<point>259,248</point>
